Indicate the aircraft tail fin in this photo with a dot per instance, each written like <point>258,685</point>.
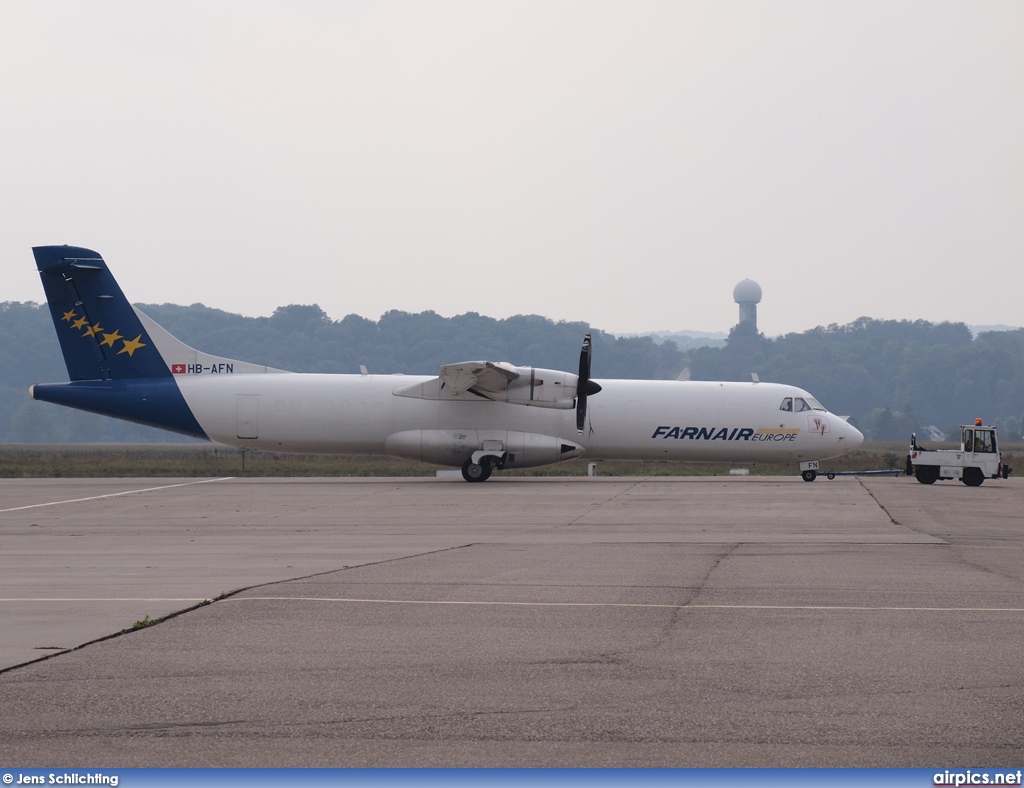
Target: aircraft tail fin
<point>102,336</point>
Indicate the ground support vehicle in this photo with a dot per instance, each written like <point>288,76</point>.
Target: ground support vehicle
<point>977,459</point>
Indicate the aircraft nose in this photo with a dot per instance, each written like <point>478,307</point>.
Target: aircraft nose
<point>852,437</point>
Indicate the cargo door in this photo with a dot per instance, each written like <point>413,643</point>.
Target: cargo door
<point>247,416</point>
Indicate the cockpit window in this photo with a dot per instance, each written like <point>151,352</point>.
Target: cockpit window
<point>801,405</point>
<point>787,404</point>
<point>815,404</point>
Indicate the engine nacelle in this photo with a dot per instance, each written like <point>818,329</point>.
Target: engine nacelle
<point>500,382</point>
<point>454,447</point>
<point>542,388</point>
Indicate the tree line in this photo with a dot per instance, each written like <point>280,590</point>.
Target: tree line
<point>891,377</point>
<point>301,338</point>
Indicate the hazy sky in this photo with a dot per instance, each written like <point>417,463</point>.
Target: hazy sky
<point>624,164</point>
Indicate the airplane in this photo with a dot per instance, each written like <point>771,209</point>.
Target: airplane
<point>481,416</point>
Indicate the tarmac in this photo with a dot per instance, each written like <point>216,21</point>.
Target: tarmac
<point>583,622</point>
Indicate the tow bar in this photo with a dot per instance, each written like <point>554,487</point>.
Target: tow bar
<point>834,474</point>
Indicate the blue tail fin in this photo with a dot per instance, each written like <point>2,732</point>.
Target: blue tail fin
<point>100,334</point>
<point>114,364</point>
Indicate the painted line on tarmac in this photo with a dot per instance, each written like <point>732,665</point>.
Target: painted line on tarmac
<point>622,604</point>
<point>102,599</point>
<point>115,495</point>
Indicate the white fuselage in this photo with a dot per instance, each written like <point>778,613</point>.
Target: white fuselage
<point>628,419</point>
<point>477,415</point>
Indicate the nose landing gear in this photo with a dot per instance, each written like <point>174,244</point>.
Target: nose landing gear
<point>809,470</point>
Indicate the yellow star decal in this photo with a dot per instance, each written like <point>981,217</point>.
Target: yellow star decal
<point>68,315</point>
<point>110,339</point>
<point>80,322</point>
<point>131,345</point>
<point>92,331</point>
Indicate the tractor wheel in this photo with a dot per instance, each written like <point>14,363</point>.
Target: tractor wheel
<point>927,474</point>
<point>973,477</point>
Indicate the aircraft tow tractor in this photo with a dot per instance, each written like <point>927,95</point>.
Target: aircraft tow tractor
<point>977,459</point>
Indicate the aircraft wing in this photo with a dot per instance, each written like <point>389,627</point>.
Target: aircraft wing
<point>499,381</point>
<point>487,376</point>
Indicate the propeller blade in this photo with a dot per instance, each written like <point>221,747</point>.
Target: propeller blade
<point>585,354</point>
<point>584,386</point>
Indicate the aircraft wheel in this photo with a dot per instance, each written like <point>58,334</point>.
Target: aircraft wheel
<point>927,474</point>
<point>973,477</point>
<point>472,472</point>
<point>809,476</point>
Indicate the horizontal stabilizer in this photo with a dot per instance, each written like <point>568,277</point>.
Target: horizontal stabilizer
<point>155,402</point>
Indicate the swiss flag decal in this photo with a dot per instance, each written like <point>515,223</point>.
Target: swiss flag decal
<point>178,369</point>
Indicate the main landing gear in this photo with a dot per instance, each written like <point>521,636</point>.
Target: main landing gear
<point>476,472</point>
<point>478,467</point>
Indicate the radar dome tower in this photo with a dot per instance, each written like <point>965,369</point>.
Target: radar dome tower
<point>747,294</point>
